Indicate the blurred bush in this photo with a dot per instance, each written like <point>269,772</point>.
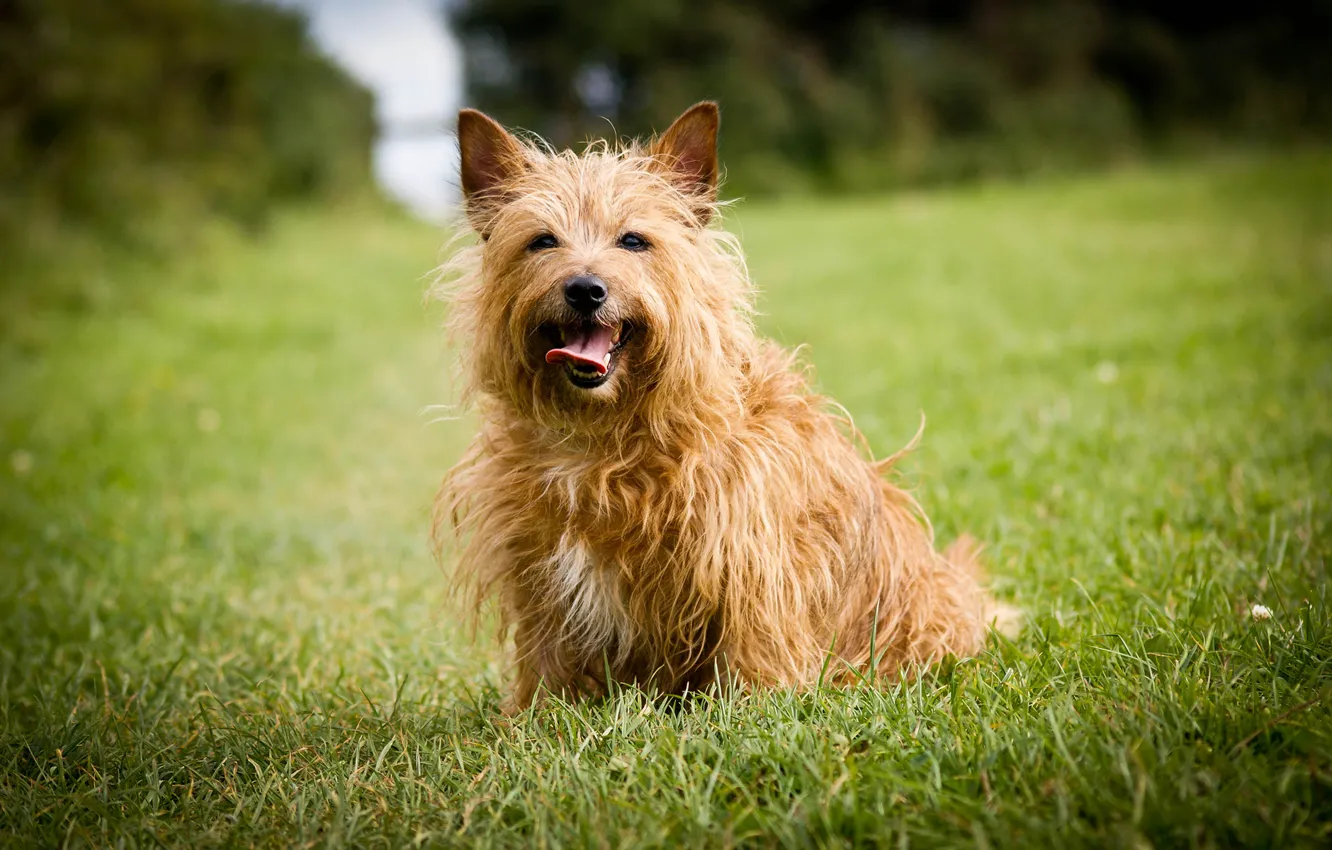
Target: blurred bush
<point>865,95</point>
<point>134,121</point>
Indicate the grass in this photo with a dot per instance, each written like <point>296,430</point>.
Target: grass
<point>219,623</point>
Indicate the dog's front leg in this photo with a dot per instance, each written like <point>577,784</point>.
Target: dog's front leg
<point>545,668</point>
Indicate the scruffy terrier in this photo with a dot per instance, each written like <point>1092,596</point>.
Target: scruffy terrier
<point>656,496</point>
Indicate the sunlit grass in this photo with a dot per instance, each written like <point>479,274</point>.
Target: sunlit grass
<point>220,624</point>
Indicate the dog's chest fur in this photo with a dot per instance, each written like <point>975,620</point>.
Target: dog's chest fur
<point>591,597</point>
<point>616,584</point>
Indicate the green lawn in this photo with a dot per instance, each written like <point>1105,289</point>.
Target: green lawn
<point>220,623</point>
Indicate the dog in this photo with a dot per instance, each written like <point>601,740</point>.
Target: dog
<point>656,496</point>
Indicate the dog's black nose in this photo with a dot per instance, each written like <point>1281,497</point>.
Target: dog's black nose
<point>585,293</point>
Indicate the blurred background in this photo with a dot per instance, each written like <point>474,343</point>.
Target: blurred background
<point>116,117</point>
<point>1091,240</point>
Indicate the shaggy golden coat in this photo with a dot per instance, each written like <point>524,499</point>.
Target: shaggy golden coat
<point>700,514</point>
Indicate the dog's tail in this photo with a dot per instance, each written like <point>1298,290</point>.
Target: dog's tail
<point>964,554</point>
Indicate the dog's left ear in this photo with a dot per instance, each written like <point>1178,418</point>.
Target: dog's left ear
<point>688,150</point>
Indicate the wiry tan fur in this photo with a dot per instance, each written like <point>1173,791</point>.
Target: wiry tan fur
<point>703,513</point>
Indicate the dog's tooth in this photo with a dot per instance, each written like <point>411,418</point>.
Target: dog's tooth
<point>615,338</point>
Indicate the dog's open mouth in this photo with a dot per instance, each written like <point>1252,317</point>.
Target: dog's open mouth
<point>587,349</point>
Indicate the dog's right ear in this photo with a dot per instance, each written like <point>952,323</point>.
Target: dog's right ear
<point>489,157</point>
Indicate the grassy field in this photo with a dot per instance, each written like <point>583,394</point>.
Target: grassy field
<point>220,624</point>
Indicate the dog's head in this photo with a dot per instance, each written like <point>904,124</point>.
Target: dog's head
<point>597,288</point>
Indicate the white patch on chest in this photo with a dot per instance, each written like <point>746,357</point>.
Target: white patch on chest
<point>594,617</point>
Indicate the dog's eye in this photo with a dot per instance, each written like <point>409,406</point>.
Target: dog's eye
<point>633,242</point>
<point>543,242</point>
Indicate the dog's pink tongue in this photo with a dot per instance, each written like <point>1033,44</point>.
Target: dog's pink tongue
<point>588,347</point>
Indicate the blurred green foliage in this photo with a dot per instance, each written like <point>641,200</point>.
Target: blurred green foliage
<point>859,95</point>
<point>137,120</point>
